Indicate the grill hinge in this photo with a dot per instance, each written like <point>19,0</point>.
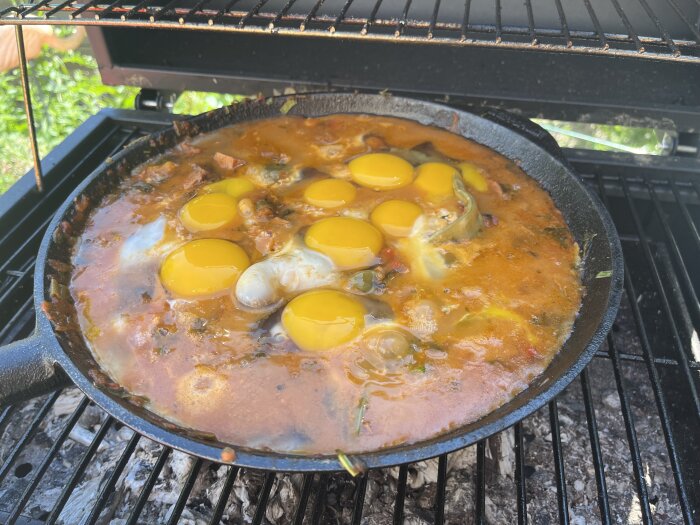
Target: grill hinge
<point>156,100</point>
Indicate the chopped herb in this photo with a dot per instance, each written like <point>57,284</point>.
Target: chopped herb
<point>587,243</point>
<point>559,234</point>
<point>363,281</point>
<point>199,325</point>
<point>262,204</point>
<point>603,274</point>
<point>449,258</point>
<point>418,368</point>
<point>143,187</point>
<point>287,106</point>
<point>508,189</point>
<point>162,350</point>
<point>360,417</point>
<point>354,466</point>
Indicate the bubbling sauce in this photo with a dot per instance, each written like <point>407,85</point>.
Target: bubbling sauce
<point>308,285</point>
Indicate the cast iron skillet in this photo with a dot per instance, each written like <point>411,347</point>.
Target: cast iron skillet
<point>37,364</point>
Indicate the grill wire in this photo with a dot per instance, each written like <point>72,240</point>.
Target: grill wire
<point>657,214</point>
<point>658,29</point>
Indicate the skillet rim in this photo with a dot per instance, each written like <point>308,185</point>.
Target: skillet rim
<point>454,439</point>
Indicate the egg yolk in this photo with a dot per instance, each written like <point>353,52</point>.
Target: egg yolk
<point>473,176</point>
<point>350,243</point>
<point>235,187</point>
<point>209,212</point>
<point>381,171</point>
<point>329,193</point>
<point>395,217</point>
<point>203,267</point>
<point>435,179</point>
<point>320,320</point>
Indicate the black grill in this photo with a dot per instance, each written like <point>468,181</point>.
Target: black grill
<point>647,424</point>
<point>659,30</point>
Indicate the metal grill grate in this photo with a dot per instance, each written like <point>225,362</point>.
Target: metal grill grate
<point>662,29</point>
<point>642,465</point>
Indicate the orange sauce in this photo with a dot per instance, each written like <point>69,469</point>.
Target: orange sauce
<point>478,333</point>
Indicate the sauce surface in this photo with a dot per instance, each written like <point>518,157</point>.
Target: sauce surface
<point>309,285</point>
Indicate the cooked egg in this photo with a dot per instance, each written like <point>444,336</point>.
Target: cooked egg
<point>323,319</point>
<point>235,187</point>
<point>295,268</point>
<point>330,193</point>
<point>381,171</point>
<point>147,241</point>
<point>350,243</point>
<point>209,212</point>
<point>473,176</point>
<point>395,217</point>
<point>435,179</point>
<point>203,267</point>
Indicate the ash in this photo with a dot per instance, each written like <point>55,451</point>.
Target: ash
<point>332,497</point>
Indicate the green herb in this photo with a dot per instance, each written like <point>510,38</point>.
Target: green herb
<point>262,204</point>
<point>162,350</point>
<point>559,234</point>
<point>199,325</point>
<point>507,189</point>
<point>360,417</point>
<point>143,187</point>
<point>354,466</point>
<point>287,106</point>
<point>418,368</point>
<point>363,281</point>
<point>449,258</point>
<point>603,274</point>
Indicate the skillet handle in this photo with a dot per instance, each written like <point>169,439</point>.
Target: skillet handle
<point>528,129</point>
<point>27,370</point>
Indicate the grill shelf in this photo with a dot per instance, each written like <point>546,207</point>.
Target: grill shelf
<point>664,29</point>
<point>655,203</point>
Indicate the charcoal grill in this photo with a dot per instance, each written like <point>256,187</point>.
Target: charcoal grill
<point>633,414</point>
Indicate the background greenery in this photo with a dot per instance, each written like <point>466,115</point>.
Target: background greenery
<point>66,89</point>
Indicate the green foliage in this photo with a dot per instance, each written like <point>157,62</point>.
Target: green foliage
<point>605,137</point>
<point>196,102</point>
<point>65,89</point>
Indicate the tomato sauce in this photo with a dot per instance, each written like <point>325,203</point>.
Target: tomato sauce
<point>471,335</point>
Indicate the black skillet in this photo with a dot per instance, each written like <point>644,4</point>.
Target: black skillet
<point>41,362</point>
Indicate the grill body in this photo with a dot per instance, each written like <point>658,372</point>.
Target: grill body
<point>640,363</point>
<point>627,429</point>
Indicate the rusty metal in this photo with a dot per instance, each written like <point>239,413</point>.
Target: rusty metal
<point>28,109</point>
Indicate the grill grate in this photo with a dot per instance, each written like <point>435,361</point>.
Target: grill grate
<point>661,29</point>
<point>642,465</point>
